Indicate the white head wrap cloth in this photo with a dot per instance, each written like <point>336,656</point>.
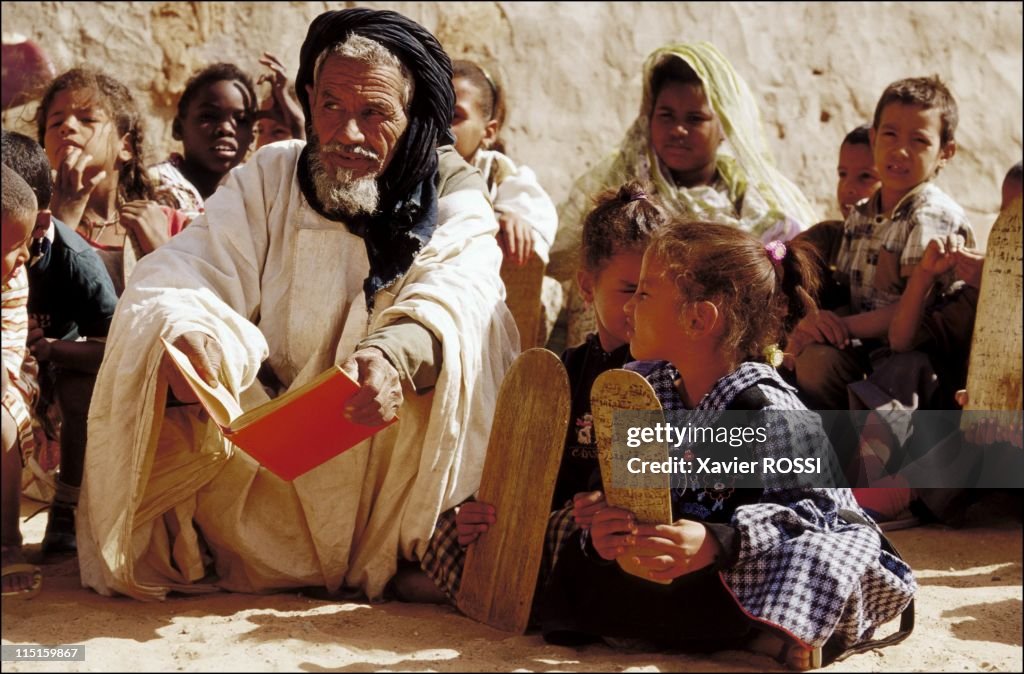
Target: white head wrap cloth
<point>744,162</point>
<point>759,198</point>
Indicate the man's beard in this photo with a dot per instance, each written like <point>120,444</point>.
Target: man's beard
<point>343,193</point>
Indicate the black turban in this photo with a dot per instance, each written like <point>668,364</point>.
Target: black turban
<point>407,215</point>
<point>433,103</point>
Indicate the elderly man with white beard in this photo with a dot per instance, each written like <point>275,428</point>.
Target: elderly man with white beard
<point>371,246</point>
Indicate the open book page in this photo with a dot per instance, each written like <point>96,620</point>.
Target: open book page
<point>218,402</point>
<point>289,397</point>
<point>295,432</point>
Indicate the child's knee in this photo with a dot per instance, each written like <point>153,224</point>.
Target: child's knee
<point>822,374</point>
<point>10,434</point>
<point>823,364</point>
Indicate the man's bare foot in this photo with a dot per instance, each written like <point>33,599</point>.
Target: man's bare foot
<point>788,652</point>
<point>19,578</point>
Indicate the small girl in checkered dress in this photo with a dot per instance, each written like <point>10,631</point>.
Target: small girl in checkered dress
<point>797,573</point>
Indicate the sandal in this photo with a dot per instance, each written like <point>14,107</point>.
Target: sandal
<point>18,567</point>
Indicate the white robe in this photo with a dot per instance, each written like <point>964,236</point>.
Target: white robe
<point>268,277</point>
<point>515,189</point>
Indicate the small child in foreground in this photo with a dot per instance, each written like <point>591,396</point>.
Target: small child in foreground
<point>71,304</point>
<point>615,233</point>
<point>756,571</point>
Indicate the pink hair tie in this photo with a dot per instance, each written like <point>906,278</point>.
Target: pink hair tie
<point>776,250</point>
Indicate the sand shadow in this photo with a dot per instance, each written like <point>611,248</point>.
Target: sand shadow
<point>73,614</point>
<point>1007,574</point>
<point>939,548</point>
<point>996,621</point>
<point>405,636</point>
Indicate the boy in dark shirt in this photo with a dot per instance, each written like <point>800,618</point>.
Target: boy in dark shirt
<point>71,303</point>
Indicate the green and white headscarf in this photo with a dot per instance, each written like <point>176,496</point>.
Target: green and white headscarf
<point>749,191</point>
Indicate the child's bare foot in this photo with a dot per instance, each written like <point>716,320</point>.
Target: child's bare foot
<point>788,652</point>
<point>413,585</point>
<point>18,579</point>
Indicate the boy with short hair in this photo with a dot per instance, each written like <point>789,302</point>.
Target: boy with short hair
<point>71,303</point>
<point>884,237</point>
<point>18,385</point>
<point>858,177</point>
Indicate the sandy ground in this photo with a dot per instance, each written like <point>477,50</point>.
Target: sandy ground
<point>968,619</point>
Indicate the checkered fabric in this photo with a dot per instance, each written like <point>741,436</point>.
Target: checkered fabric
<point>444,558</point>
<point>800,566</point>
<point>871,237</point>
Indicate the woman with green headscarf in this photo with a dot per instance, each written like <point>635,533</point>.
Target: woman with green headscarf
<point>699,144</point>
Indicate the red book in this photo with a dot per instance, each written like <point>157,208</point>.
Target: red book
<point>291,434</point>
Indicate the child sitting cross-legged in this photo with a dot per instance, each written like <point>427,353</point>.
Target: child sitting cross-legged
<point>758,570</point>
<point>884,237</point>
<point>928,334</point>
<point>615,233</point>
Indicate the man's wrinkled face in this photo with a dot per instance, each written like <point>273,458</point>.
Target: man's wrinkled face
<point>358,118</point>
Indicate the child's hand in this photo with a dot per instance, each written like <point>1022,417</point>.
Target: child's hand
<point>795,343</point>
<point>613,532</point>
<point>472,519</point>
<point>969,264</point>
<point>515,238</point>
<point>285,110</point>
<point>40,346</point>
<point>991,430</point>
<point>939,256</point>
<point>585,505</point>
<point>73,181</point>
<point>823,327</point>
<point>148,222</point>
<point>668,551</point>
<point>817,326</point>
